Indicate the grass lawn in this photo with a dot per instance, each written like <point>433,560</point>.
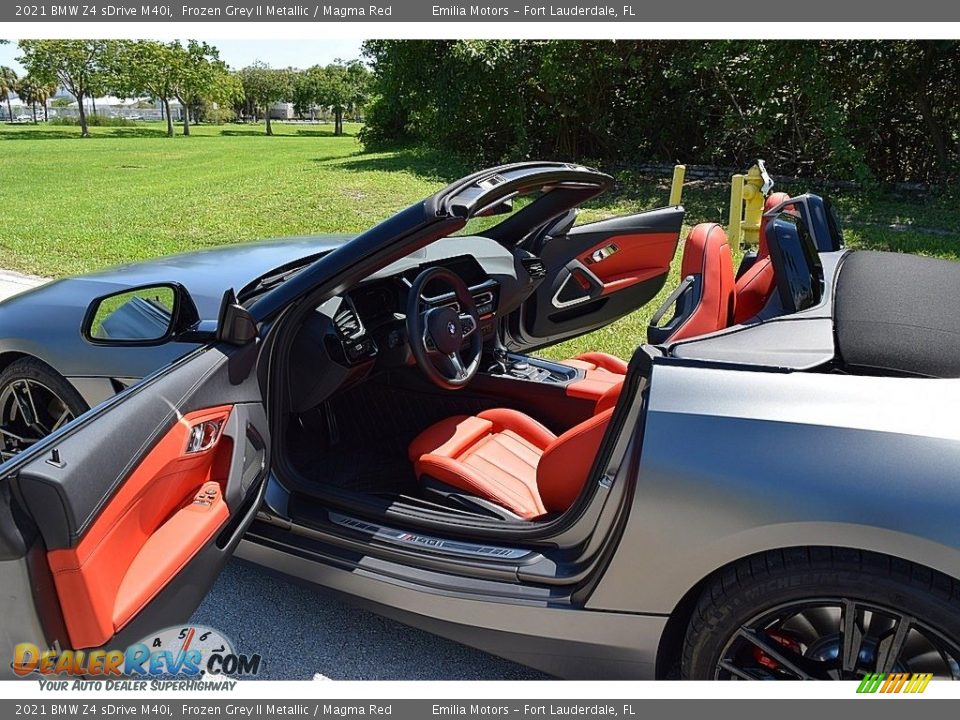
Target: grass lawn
<point>128,193</point>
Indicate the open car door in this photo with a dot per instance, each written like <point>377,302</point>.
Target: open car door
<point>117,525</point>
<point>593,274</point>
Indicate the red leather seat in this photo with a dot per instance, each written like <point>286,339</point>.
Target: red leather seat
<point>756,285</point>
<point>510,459</point>
<point>706,254</point>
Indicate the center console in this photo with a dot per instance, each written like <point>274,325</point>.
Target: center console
<point>522,367</point>
<point>573,382</point>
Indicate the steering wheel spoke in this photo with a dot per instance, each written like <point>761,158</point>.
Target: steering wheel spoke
<point>428,343</point>
<point>458,370</point>
<point>444,339</point>
<point>468,325</point>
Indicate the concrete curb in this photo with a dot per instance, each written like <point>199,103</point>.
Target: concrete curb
<point>12,283</point>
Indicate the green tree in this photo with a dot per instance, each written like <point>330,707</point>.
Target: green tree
<point>8,84</point>
<point>201,75</point>
<point>52,88</point>
<point>147,67</point>
<point>343,88</point>
<point>859,109</point>
<point>264,86</point>
<point>305,91</point>
<point>33,90</point>
<point>76,64</point>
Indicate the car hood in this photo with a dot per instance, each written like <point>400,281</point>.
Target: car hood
<point>221,268</point>
<point>206,274</point>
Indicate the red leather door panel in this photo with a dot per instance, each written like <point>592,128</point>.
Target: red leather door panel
<point>594,274</point>
<point>638,257</point>
<point>150,528</point>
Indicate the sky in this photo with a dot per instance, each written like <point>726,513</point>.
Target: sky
<point>240,53</point>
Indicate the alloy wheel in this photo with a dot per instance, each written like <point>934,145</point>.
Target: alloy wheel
<point>29,411</point>
<point>835,639</point>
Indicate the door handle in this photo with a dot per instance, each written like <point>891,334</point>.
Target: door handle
<point>603,253</point>
<point>588,285</point>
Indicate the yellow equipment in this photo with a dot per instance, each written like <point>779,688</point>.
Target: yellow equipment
<point>676,187</point>
<point>747,195</point>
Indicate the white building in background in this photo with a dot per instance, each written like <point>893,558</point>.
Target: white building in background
<point>282,111</point>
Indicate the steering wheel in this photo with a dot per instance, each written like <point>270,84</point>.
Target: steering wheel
<point>436,334</point>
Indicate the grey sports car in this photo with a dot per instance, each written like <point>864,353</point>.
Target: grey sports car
<point>768,489</point>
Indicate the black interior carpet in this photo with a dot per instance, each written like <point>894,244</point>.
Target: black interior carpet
<point>358,440</point>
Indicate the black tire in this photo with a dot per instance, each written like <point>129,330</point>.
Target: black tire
<point>35,371</point>
<point>747,597</point>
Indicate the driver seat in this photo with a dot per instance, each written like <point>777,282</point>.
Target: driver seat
<point>508,458</point>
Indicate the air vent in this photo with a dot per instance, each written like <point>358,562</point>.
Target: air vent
<point>347,322</point>
<point>535,267</point>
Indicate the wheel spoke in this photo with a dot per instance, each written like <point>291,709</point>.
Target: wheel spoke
<point>66,417</point>
<point>15,436</point>
<point>891,645</point>
<point>822,619</point>
<point>36,420</point>
<point>739,672</point>
<point>21,393</point>
<point>776,651</point>
<point>851,636</point>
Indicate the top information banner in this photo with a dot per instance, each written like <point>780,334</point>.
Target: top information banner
<point>426,11</point>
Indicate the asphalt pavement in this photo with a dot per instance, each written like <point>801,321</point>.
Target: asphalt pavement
<point>303,633</point>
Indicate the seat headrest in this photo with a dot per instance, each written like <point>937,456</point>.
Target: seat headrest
<point>701,247</point>
<point>707,254</point>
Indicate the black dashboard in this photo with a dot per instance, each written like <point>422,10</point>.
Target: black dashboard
<point>364,329</point>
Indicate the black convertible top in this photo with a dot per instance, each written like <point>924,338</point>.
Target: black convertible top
<point>899,313</point>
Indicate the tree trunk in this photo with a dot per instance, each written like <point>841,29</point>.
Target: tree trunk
<point>46,112</point>
<point>269,126</point>
<point>9,109</point>
<point>93,104</point>
<point>84,130</point>
<point>166,106</point>
<point>927,112</point>
<point>186,117</point>
<point>338,121</point>
<point>34,106</point>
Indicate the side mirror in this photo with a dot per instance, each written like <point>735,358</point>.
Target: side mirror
<point>147,315</point>
<point>235,325</point>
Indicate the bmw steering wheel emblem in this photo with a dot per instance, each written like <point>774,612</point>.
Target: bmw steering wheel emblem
<point>451,328</point>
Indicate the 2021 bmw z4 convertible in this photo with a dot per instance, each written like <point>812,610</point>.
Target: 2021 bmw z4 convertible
<point>766,490</point>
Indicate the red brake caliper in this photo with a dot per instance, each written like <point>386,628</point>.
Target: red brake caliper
<point>786,641</point>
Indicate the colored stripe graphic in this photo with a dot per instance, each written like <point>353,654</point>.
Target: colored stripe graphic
<point>913,683</point>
